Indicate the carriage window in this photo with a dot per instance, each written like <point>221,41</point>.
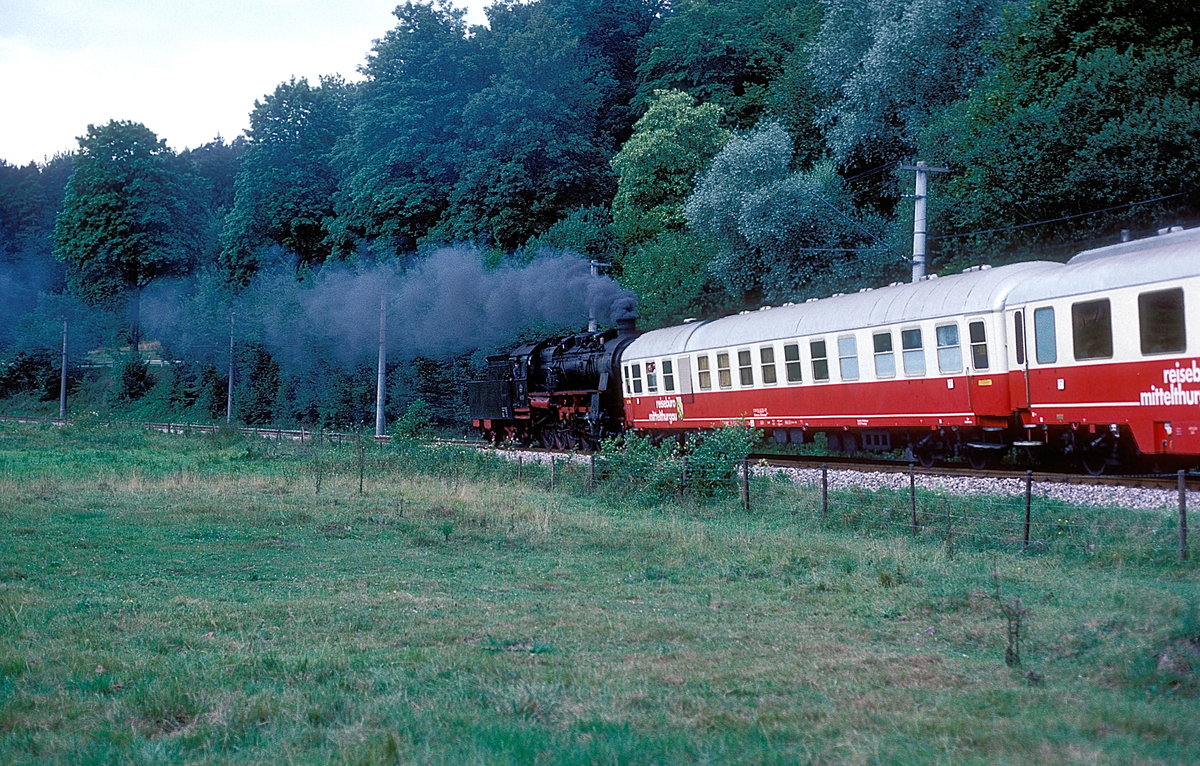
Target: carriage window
<point>651,378</point>
<point>668,375</point>
<point>1091,329</point>
<point>745,367</point>
<point>820,360</point>
<point>949,352</point>
<point>885,359</point>
<point>1019,335</point>
<point>977,334</point>
<point>1160,317</point>
<point>791,358</point>
<point>705,377</point>
<point>724,377</point>
<point>636,376</point>
<point>628,383</point>
<point>766,355</point>
<point>848,357</point>
<point>1045,347</point>
<point>914,351</point>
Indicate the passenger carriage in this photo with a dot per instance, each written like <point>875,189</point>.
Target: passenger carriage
<point>1104,354</point>
<point>1089,359</point>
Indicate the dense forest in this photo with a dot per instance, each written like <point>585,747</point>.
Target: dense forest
<point>713,155</point>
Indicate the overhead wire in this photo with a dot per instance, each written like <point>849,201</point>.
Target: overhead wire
<point>821,198</point>
<point>1060,219</point>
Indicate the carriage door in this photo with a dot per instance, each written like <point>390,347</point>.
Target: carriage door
<point>1020,393</point>
<point>684,366</point>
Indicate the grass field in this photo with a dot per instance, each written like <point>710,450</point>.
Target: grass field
<point>216,600</point>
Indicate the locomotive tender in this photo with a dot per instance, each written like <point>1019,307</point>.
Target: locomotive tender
<point>1095,361</point>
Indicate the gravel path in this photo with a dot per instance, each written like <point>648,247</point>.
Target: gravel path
<point>1076,494</point>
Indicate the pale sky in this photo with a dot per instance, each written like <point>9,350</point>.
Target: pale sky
<point>187,70</point>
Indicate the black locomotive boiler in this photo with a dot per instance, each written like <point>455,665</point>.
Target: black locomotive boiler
<point>562,392</point>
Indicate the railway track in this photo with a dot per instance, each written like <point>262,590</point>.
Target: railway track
<point>1169,481</point>
<point>292,434</point>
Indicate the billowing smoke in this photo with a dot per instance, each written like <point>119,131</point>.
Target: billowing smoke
<point>448,303</point>
<point>22,280</point>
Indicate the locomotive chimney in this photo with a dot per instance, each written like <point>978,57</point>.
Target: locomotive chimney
<point>624,316</point>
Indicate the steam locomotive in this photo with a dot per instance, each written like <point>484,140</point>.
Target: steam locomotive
<point>562,392</point>
<point>1094,363</point>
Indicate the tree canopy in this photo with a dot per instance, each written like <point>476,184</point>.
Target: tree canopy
<point>133,212</point>
<point>717,154</point>
<point>287,179</point>
<point>1091,106</point>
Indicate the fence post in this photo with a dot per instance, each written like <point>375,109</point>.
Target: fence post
<point>912,496</point>
<point>1028,504</point>
<point>362,462</point>
<point>1183,549</point>
<point>553,465</point>
<point>824,493</point>
<point>591,477</point>
<point>746,485</point>
<point>520,461</point>
<point>683,477</point>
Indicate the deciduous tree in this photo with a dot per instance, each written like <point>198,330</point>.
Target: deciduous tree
<point>404,154</point>
<point>671,144</point>
<point>1092,105</point>
<point>285,186</point>
<point>725,53</point>
<point>133,212</point>
<point>782,234</point>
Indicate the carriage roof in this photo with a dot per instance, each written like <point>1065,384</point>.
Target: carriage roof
<point>975,292</point>
<point>1151,260</point>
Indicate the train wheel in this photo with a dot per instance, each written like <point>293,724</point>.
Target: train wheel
<point>925,457</point>
<point>1095,462</point>
<point>980,459</point>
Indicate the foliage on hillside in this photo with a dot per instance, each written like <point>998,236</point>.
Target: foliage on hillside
<point>715,154</point>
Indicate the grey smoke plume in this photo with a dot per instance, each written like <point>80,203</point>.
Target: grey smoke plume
<point>447,304</point>
<point>22,281</point>
<point>474,308</point>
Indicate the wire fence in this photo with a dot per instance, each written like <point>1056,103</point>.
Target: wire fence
<point>1029,515</point>
<point>1034,516</point>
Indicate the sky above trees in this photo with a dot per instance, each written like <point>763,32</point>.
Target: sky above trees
<point>188,71</point>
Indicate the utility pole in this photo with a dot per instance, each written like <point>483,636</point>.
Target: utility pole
<point>380,378</point>
<point>918,257</point>
<point>229,387</point>
<point>62,381</point>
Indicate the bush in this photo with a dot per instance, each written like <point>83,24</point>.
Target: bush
<point>707,466</point>
<point>635,464</point>
<point>415,424</point>
<point>136,379</point>
<point>29,371</point>
<point>713,458</point>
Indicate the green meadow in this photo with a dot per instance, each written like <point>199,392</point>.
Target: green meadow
<point>219,599</point>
